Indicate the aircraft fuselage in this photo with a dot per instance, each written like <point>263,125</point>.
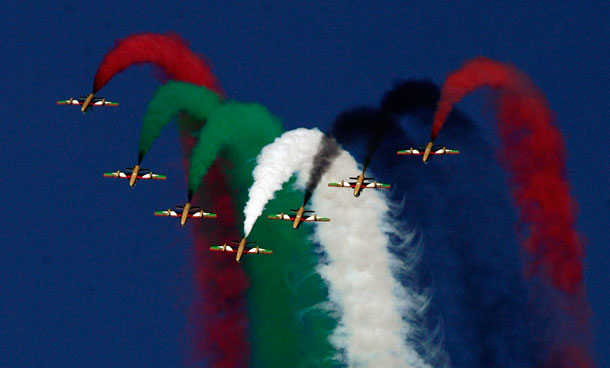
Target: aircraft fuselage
<point>427,151</point>
<point>358,185</point>
<point>134,176</point>
<point>240,249</point>
<point>297,218</point>
<point>85,105</point>
<point>185,213</point>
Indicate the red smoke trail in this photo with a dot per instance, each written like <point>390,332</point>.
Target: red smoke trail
<point>220,314</point>
<point>168,51</point>
<point>533,152</point>
<point>219,317</point>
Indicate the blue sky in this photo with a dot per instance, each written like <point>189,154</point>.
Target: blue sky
<point>88,275</point>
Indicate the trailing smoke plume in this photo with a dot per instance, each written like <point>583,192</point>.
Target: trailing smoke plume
<point>176,61</point>
<point>170,99</point>
<point>329,149</point>
<point>534,154</point>
<point>294,295</point>
<point>358,266</point>
<point>463,214</point>
<point>169,52</point>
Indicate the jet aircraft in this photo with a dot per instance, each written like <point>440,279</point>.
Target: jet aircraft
<point>298,218</point>
<point>87,102</point>
<point>430,149</point>
<point>241,245</point>
<point>134,174</point>
<point>185,212</point>
<point>358,183</point>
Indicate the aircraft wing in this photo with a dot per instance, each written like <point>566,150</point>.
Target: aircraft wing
<point>96,101</point>
<point>436,150</point>
<point>444,151</point>
<point>103,103</point>
<point>259,251</point>
<point>115,174</point>
<point>202,214</point>
<point>152,176</point>
<point>315,218</point>
<point>120,174</point>
<point>342,184</point>
<point>223,248</point>
<point>71,101</point>
<point>281,216</point>
<point>377,185</point>
<point>410,151</point>
<point>170,213</point>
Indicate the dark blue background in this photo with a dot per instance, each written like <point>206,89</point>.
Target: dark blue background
<point>88,277</point>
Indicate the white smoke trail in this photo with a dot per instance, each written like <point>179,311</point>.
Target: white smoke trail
<point>276,163</point>
<point>376,314</point>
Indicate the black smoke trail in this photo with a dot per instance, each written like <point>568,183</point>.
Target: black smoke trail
<point>460,209</point>
<point>328,150</point>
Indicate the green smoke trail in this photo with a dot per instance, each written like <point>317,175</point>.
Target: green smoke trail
<point>168,101</point>
<point>289,326</point>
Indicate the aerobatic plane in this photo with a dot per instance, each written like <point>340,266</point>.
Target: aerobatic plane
<point>185,212</point>
<point>241,248</point>
<point>360,183</point>
<point>134,174</point>
<point>87,102</point>
<point>298,218</point>
<point>428,150</point>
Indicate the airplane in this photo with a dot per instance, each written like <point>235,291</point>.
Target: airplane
<point>87,102</point>
<point>298,218</point>
<point>360,183</point>
<point>134,174</point>
<point>241,245</point>
<point>185,212</point>
<point>428,150</point>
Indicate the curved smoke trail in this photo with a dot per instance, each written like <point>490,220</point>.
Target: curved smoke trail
<point>168,100</point>
<point>376,315</point>
<point>215,329</point>
<point>461,211</point>
<point>168,51</point>
<point>534,153</point>
<point>289,324</point>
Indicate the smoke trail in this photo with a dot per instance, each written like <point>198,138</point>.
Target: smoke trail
<point>218,317</point>
<point>464,215</point>
<point>350,124</point>
<point>328,151</point>
<point>285,291</point>
<point>276,164</point>
<point>171,54</point>
<point>534,154</point>
<point>373,308</point>
<point>168,51</point>
<point>232,123</point>
<point>168,101</point>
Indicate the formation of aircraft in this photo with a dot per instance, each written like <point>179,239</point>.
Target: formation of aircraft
<point>430,149</point>
<point>87,102</point>
<point>298,218</point>
<point>185,212</point>
<point>358,183</point>
<point>241,248</point>
<point>134,174</point>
